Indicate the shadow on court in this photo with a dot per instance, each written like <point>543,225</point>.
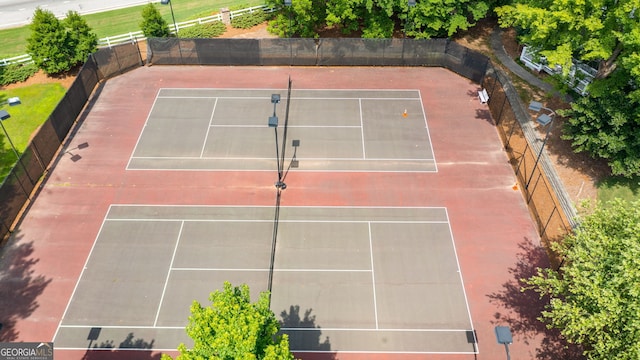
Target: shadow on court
<point>20,286</point>
<point>312,337</point>
<point>522,308</point>
<point>109,350</point>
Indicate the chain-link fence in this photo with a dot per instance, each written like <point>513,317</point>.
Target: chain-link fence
<point>550,205</point>
<point>320,52</point>
<point>544,193</point>
<point>17,188</point>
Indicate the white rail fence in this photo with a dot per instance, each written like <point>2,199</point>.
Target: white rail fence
<point>579,77</point>
<point>138,35</point>
<point>16,60</point>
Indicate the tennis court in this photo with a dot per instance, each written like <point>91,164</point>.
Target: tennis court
<point>166,190</point>
<point>346,264</point>
<point>339,130</point>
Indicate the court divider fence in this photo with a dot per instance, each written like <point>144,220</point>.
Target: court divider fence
<point>20,185</point>
<point>543,191</point>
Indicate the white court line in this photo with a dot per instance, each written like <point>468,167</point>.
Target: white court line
<point>296,351</point>
<point>192,220</point>
<point>215,269</point>
<point>112,349</point>
<point>206,137</point>
<point>284,206</point>
<point>326,126</point>
<point>166,281</point>
<point>426,126</point>
<point>86,262</point>
<point>124,327</point>
<point>142,131</point>
<point>282,221</point>
<point>369,171</point>
<point>275,270</point>
<point>266,158</point>
<point>284,98</point>
<point>350,98</point>
<point>377,329</point>
<point>270,90</point>
<point>464,292</point>
<point>241,126</point>
<point>257,97</point>
<point>373,276</point>
<point>197,158</point>
<point>380,352</point>
<point>364,151</point>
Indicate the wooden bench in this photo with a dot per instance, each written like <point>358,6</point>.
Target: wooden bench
<point>483,96</point>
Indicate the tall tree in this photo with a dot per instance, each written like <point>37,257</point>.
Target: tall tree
<point>303,18</point>
<point>82,39</point>
<point>605,124</point>
<point>56,46</point>
<point>380,18</point>
<point>49,44</point>
<point>444,18</point>
<point>153,24</point>
<point>594,298</point>
<point>601,31</point>
<point>233,327</point>
<point>606,33</point>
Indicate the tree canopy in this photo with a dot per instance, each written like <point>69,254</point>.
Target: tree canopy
<point>233,327</point>
<point>56,46</point>
<point>153,24</point>
<point>594,297</point>
<point>602,31</point>
<point>605,33</point>
<point>605,124</point>
<point>81,37</point>
<point>377,18</point>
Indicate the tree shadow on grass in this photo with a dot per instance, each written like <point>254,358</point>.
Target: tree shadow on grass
<point>523,308</point>
<point>308,339</point>
<point>20,286</point>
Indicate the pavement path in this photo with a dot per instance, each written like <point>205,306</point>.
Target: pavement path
<point>14,13</point>
<point>506,60</point>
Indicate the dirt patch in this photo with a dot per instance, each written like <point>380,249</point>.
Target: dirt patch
<point>41,78</point>
<point>256,32</point>
<point>477,37</point>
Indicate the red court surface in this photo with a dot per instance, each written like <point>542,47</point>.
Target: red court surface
<point>496,240</point>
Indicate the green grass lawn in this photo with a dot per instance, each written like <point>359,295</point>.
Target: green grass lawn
<point>122,21</point>
<point>38,101</point>
<point>619,187</point>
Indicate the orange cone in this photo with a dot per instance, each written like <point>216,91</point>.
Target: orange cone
<point>404,114</point>
<point>515,186</point>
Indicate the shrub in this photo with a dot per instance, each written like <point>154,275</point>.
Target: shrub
<point>249,20</point>
<point>203,31</point>
<point>56,45</point>
<point>16,73</point>
<point>49,43</point>
<point>152,24</point>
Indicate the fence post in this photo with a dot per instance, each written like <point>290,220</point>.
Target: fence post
<point>524,153</point>
<point>226,16</point>
<point>501,109</point>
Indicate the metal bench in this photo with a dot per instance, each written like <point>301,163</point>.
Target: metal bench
<point>483,96</point>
